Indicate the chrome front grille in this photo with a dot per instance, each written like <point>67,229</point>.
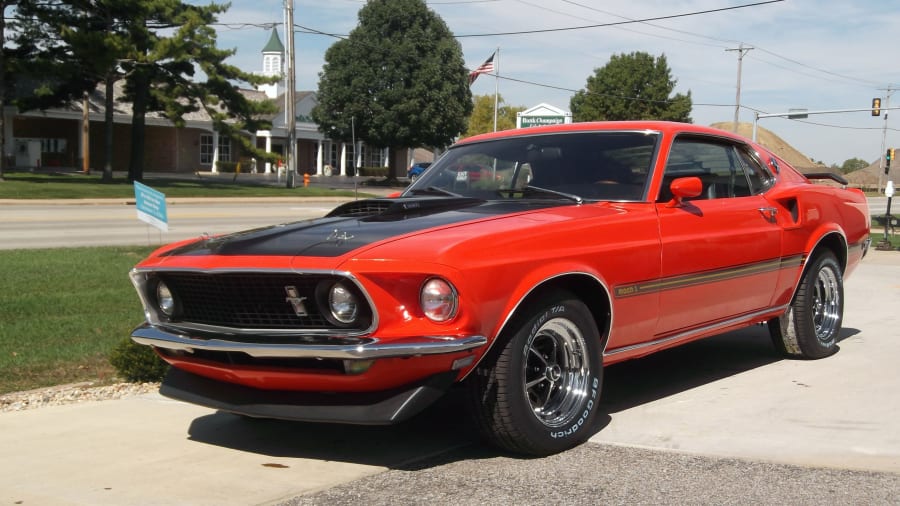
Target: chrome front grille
<point>250,300</point>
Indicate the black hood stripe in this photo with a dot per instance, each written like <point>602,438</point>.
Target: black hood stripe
<point>348,228</point>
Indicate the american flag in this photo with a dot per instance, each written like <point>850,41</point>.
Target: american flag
<point>485,68</point>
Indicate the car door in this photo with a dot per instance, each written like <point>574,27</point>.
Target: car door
<point>721,251</point>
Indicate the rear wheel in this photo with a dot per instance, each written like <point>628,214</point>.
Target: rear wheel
<point>539,392</point>
<point>810,327</point>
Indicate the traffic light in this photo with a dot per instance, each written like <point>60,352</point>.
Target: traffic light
<point>876,107</point>
<point>887,158</point>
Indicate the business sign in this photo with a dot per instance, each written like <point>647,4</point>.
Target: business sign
<point>533,121</point>
<point>151,206</point>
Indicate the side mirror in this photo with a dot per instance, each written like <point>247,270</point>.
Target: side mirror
<point>683,188</point>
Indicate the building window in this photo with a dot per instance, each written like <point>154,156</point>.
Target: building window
<point>207,151</point>
<point>351,156</point>
<point>224,149</point>
<point>334,155</point>
<point>271,65</point>
<point>53,145</point>
<point>377,158</point>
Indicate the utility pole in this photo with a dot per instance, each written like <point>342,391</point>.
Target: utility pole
<point>85,134</point>
<point>290,115</point>
<point>741,50</point>
<point>888,92</point>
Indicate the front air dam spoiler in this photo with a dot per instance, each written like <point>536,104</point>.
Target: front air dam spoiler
<point>379,408</point>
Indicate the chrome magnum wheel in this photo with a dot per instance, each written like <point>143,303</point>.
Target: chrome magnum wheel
<point>556,372</point>
<point>810,326</point>
<point>539,390</point>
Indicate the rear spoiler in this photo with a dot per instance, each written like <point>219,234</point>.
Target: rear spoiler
<point>827,175</point>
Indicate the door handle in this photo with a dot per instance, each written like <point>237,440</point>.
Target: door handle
<point>769,213</point>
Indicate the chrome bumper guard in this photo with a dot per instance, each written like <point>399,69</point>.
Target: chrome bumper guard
<point>371,348</point>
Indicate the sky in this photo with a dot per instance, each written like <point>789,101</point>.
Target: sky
<point>817,55</point>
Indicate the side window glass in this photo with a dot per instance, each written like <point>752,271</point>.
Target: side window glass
<point>758,177</point>
<point>715,163</point>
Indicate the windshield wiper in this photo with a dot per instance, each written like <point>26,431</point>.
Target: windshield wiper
<point>434,190</point>
<point>537,189</point>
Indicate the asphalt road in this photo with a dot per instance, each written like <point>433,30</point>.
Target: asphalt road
<point>114,222</point>
<point>54,224</point>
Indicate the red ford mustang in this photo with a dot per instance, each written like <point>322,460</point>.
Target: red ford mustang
<point>577,247</point>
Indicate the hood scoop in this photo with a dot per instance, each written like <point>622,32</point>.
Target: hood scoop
<point>386,208</point>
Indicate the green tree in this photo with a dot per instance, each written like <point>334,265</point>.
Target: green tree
<point>66,49</point>
<point>632,86</point>
<point>398,80</point>
<point>482,117</point>
<point>157,47</point>
<point>853,164</point>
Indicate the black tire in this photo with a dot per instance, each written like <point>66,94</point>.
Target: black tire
<point>809,328</point>
<point>539,391</point>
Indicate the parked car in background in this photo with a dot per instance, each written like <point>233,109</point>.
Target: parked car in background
<point>416,170</point>
<point>577,246</point>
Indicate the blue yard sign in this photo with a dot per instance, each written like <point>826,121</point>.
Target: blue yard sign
<point>151,206</point>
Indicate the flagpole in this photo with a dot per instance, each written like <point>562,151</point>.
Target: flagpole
<point>496,85</point>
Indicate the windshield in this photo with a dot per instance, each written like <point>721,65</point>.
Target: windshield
<point>604,165</point>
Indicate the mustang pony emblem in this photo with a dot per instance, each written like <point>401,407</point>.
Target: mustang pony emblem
<point>339,236</point>
<point>297,302</point>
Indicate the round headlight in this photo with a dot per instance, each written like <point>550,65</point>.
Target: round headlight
<point>164,299</point>
<point>343,304</point>
<point>439,300</point>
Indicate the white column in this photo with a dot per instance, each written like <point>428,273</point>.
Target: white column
<point>268,150</point>
<point>342,170</point>
<point>250,159</point>
<point>320,155</point>
<point>215,159</point>
<point>384,156</point>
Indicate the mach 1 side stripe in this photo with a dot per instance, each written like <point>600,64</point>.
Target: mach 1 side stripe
<point>685,280</point>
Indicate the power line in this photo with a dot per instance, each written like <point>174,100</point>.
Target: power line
<point>618,23</point>
<point>716,39</point>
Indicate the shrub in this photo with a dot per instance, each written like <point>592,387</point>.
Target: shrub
<point>373,171</point>
<point>137,363</point>
<point>228,167</point>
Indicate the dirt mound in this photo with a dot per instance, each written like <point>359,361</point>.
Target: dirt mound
<point>777,145</point>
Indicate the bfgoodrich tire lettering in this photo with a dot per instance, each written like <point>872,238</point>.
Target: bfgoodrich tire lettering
<point>810,327</point>
<point>539,393</point>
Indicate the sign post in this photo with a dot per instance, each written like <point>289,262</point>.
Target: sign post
<point>151,206</point>
<point>885,243</point>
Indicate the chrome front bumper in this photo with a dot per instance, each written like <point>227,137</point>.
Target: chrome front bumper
<point>366,348</point>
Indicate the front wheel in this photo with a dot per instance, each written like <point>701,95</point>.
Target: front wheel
<point>539,393</point>
<point>810,327</point>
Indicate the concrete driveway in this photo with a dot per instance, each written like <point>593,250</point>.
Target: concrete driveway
<point>729,396</point>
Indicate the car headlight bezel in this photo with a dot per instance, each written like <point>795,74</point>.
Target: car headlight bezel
<point>165,300</point>
<point>438,300</point>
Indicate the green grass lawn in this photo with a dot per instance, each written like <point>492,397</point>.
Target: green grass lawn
<point>877,238</point>
<point>62,311</point>
<point>74,185</point>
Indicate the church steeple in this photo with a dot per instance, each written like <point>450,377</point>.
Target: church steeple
<point>273,65</point>
<point>273,55</point>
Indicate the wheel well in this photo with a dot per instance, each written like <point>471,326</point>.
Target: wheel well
<point>834,243</point>
<point>586,288</point>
